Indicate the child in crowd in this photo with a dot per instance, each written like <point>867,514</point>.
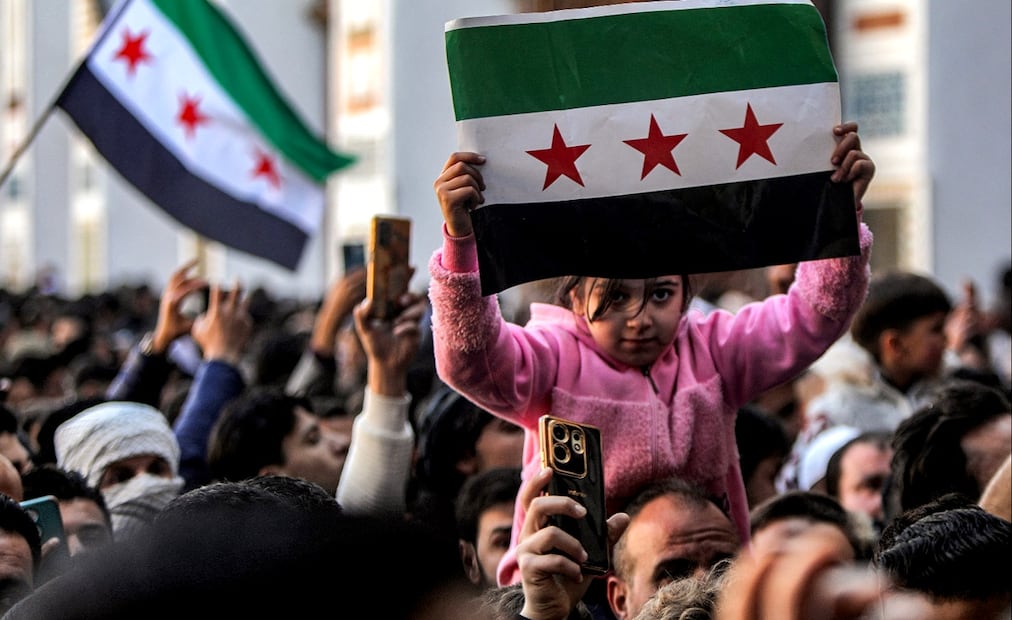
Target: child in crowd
<point>901,327</point>
<point>662,384</point>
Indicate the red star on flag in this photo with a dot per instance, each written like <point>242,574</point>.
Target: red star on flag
<point>561,159</point>
<point>190,115</point>
<point>265,167</point>
<point>657,148</point>
<point>752,138</point>
<point>133,50</point>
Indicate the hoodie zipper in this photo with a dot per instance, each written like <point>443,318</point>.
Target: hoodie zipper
<point>646,373</point>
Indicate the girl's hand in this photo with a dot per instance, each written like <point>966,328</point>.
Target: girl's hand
<point>852,163</point>
<point>459,190</point>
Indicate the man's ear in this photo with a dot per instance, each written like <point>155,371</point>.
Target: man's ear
<point>469,557</point>
<point>617,596</point>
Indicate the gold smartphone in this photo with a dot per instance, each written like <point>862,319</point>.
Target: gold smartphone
<point>388,269</point>
<point>573,452</point>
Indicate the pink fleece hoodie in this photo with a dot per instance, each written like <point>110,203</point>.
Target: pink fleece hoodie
<point>675,418</point>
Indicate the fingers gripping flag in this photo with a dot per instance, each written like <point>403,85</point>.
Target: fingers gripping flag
<point>175,100</point>
<point>650,138</point>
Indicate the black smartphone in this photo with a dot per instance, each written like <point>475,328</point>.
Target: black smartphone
<point>353,255</point>
<point>388,269</point>
<point>573,452</point>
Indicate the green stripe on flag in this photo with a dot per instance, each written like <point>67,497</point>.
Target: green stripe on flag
<point>233,64</point>
<point>638,56</point>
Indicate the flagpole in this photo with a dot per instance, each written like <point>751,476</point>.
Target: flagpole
<point>18,152</point>
<point>37,125</point>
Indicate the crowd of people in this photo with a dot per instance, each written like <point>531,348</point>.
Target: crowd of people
<point>837,445</point>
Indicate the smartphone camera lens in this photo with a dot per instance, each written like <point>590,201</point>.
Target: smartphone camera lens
<point>560,453</point>
<point>577,442</point>
<point>560,433</point>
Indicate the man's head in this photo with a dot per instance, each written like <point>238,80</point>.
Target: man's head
<point>949,552</point>
<point>265,431</point>
<point>87,523</point>
<point>675,531</point>
<point>955,442</point>
<point>484,514</point>
<point>20,552</point>
<point>128,451</point>
<point>787,516</point>
<point>857,474</point>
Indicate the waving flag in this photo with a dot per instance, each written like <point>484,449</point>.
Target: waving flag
<point>643,139</point>
<point>172,96</point>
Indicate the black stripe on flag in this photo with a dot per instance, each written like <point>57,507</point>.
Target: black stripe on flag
<point>697,230</point>
<point>143,161</point>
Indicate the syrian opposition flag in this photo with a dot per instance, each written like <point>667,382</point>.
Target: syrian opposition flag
<point>172,96</point>
<point>653,138</point>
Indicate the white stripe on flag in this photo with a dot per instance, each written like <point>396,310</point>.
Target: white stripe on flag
<point>223,152</point>
<point>611,167</point>
<point>600,11</point>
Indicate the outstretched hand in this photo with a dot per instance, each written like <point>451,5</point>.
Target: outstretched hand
<point>390,346</point>
<point>459,190</point>
<point>172,323</point>
<point>852,163</point>
<point>224,329</point>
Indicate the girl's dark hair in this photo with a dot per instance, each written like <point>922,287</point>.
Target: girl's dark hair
<point>567,284</point>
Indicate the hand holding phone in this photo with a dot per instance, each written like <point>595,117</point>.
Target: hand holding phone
<point>573,452</point>
<point>389,269</point>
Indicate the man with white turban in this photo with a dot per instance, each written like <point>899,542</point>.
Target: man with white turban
<point>129,452</point>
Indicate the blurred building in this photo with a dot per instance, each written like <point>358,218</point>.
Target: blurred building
<point>928,80</point>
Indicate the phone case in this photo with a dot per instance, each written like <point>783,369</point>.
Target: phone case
<point>573,452</point>
<point>388,267</point>
<point>45,511</point>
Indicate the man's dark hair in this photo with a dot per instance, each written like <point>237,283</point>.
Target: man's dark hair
<point>816,507</point>
<point>64,485</point>
<point>249,434</point>
<point>482,491</point>
<point>948,552</point>
<point>759,435</point>
<point>929,460</point>
<point>16,520</point>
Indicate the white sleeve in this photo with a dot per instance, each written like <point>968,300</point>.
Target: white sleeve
<point>376,472</point>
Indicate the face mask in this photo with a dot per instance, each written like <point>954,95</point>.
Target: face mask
<point>135,502</point>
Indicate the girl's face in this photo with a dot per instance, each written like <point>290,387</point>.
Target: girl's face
<point>635,329</point>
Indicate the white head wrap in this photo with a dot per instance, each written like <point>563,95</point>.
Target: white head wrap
<point>109,432</point>
<point>816,457</point>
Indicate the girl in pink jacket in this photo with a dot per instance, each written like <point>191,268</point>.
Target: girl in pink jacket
<point>662,384</point>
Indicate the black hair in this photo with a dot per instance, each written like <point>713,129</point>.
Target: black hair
<point>759,436</point>
<point>949,553</point>
<point>816,507</point>
<point>928,459</point>
<point>480,492</point>
<point>63,484</point>
<point>568,284</point>
<point>16,520</point>
<point>895,300</point>
<point>249,434</point>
